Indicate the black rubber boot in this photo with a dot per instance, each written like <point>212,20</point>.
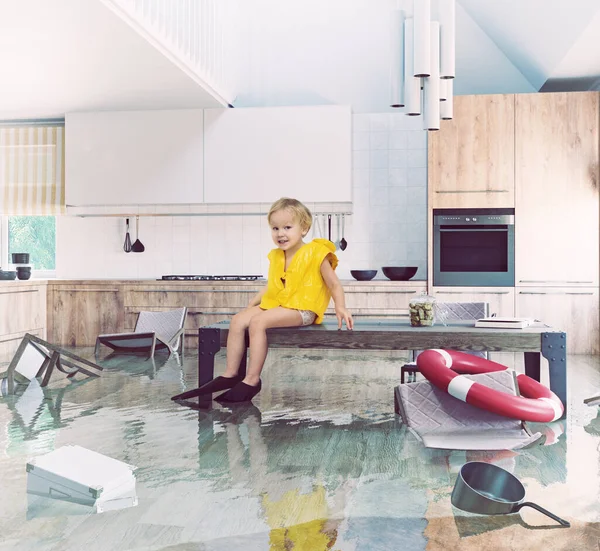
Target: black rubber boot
<point>216,385</point>
<point>240,393</point>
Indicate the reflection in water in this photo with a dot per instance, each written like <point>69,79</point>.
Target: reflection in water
<point>317,462</point>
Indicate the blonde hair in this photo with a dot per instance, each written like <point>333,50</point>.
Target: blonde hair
<point>300,211</point>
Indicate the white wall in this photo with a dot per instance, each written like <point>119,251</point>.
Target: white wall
<point>388,226</point>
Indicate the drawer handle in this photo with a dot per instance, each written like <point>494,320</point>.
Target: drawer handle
<point>551,281</point>
<point>554,293</point>
<point>383,292</point>
<point>61,290</point>
<point>211,313</point>
<point>198,291</point>
<point>470,292</point>
<point>474,191</point>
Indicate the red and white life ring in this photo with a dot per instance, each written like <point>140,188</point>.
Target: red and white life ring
<point>444,369</point>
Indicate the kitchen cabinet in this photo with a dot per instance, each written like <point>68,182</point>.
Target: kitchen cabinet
<point>256,155</point>
<point>380,299</point>
<point>472,158</point>
<point>206,304</point>
<point>23,308</point>
<point>134,157</point>
<point>574,310</point>
<point>556,178</point>
<point>501,302</point>
<point>79,312</point>
<point>500,299</point>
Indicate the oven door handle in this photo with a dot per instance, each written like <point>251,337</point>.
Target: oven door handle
<point>473,230</point>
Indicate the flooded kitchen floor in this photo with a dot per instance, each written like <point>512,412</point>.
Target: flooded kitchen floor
<point>318,462</point>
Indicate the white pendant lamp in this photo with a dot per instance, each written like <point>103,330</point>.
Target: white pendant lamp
<point>412,84</point>
<point>423,61</point>
<point>443,89</point>
<point>447,38</point>
<point>397,59</point>
<point>431,88</point>
<point>422,42</point>
<point>447,107</point>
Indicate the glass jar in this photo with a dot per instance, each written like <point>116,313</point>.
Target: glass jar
<point>422,310</point>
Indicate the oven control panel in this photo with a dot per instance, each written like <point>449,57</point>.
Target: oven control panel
<point>475,219</point>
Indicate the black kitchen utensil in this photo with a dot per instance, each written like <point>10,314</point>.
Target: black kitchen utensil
<point>127,244</point>
<point>343,242</point>
<point>487,489</point>
<point>329,225</point>
<point>137,246</point>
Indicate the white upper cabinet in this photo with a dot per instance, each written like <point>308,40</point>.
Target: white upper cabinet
<point>134,157</point>
<point>261,154</point>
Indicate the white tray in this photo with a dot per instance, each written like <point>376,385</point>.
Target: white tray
<point>73,473</point>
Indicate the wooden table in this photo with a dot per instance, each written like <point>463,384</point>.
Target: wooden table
<point>534,342</point>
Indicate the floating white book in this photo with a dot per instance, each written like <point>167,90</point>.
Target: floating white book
<point>504,323</point>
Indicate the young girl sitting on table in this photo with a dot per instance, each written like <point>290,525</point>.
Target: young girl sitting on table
<point>301,282</point>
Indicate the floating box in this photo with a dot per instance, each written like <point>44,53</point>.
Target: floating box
<point>79,475</point>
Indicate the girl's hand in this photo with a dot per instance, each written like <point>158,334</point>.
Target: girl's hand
<point>342,314</point>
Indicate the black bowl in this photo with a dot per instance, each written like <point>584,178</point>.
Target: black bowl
<point>363,275</point>
<point>7,276</point>
<point>23,272</point>
<point>399,273</point>
<point>20,258</point>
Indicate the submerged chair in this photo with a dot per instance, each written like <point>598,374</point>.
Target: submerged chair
<point>35,358</point>
<point>153,331</point>
<point>449,312</point>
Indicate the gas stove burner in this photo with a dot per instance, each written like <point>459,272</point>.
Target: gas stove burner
<point>210,277</point>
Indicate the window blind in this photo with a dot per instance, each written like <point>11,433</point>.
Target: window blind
<point>32,180</point>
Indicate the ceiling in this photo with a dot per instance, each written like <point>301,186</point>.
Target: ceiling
<point>58,56</point>
<point>338,51</point>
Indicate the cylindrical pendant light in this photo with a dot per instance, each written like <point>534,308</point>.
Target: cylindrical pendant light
<point>443,89</point>
<point>412,84</point>
<point>431,90</point>
<point>422,42</point>
<point>397,59</point>
<point>447,38</point>
<point>447,107</point>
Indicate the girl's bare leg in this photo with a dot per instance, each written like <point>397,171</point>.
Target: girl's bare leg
<point>236,339</point>
<point>259,323</point>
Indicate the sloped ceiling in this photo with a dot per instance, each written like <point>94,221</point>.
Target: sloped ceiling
<point>338,51</point>
<point>538,35</point>
<point>58,56</point>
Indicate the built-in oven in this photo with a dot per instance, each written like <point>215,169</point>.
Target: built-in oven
<point>474,247</point>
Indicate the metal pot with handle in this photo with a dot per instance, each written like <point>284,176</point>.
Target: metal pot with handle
<point>487,489</point>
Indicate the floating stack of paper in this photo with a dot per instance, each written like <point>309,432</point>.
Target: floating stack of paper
<point>504,323</point>
<point>79,475</point>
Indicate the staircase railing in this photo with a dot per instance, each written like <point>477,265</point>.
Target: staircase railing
<point>192,31</point>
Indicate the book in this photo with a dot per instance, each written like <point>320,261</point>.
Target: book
<point>504,323</point>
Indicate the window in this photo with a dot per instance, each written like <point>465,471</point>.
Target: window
<point>35,235</point>
<point>32,191</point>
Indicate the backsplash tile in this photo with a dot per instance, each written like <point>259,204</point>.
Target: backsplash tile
<point>388,226</point>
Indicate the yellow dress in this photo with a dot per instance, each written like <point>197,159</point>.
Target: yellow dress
<point>304,287</point>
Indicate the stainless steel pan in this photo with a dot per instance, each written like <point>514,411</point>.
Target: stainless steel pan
<point>490,490</point>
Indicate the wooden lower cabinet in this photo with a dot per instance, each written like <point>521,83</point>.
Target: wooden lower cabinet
<point>22,310</point>
<point>206,303</point>
<point>385,301</point>
<point>500,299</point>
<point>574,310</point>
<point>78,313</point>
